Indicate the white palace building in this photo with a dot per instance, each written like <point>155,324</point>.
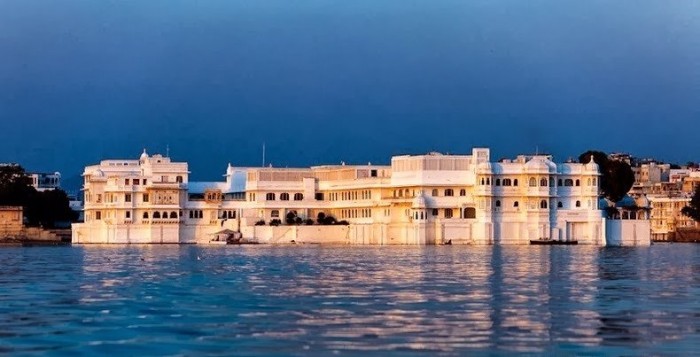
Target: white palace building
<point>417,200</point>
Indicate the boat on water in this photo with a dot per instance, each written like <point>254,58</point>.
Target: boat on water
<point>552,242</point>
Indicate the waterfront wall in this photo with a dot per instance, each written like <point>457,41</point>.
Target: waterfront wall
<point>627,233</point>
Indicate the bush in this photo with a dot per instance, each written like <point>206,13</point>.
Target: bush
<point>291,217</point>
<point>298,220</point>
<point>260,222</point>
<point>343,223</point>
<point>321,218</point>
<point>309,222</point>
<point>275,222</point>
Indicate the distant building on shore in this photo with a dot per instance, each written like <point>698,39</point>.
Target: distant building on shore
<point>419,200</point>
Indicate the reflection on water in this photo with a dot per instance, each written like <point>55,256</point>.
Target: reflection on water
<point>301,300</point>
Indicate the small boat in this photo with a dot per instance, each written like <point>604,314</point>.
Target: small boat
<point>552,242</point>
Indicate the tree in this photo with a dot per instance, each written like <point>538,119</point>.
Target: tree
<point>692,210</point>
<point>40,208</point>
<point>616,177</point>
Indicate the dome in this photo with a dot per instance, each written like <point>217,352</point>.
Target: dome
<point>592,165</point>
<point>642,201</point>
<point>419,201</point>
<point>144,156</point>
<point>626,201</point>
<point>98,173</point>
<point>604,203</point>
<point>539,164</point>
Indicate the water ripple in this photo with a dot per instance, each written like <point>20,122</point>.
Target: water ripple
<point>185,300</point>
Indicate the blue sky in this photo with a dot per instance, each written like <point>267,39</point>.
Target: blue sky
<point>358,81</point>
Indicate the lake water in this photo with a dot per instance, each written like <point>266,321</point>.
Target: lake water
<point>318,300</point>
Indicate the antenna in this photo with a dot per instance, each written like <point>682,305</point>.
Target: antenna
<point>167,150</point>
<point>263,155</point>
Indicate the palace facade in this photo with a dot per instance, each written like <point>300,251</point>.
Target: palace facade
<point>421,200</point>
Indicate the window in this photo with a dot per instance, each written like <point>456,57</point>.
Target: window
<point>568,182</point>
<point>126,182</point>
<point>165,215</point>
<point>462,192</point>
<point>560,205</point>
<point>551,182</point>
<point>178,179</point>
<point>449,192</point>
<point>173,214</point>
<point>543,204</point>
<point>270,196</point>
<point>488,181</point>
<point>435,192</point>
<point>145,215</point>
<point>298,197</point>
<point>516,204</point>
<point>145,197</point>
<point>275,213</point>
<point>156,215</point>
<point>559,182</point>
<point>144,181</point>
<point>164,178</point>
<point>127,197</point>
<point>498,182</point>
<point>373,173</point>
<point>578,182</point>
<point>127,214</point>
<point>507,182</point>
<point>483,182</point>
<point>515,182</point>
<point>435,211</point>
<point>498,203</point>
<point>533,182</point>
<point>543,182</point>
<point>470,213</point>
<point>136,182</point>
<point>319,196</point>
<point>284,196</point>
<point>98,215</point>
<point>448,212</point>
<point>578,203</point>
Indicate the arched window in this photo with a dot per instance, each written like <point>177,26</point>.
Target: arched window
<point>449,192</point>
<point>560,205</point>
<point>298,196</point>
<point>516,204</point>
<point>405,192</point>
<point>284,196</point>
<point>400,193</point>
<point>568,182</point>
<point>543,204</point>
<point>483,182</point>
<point>543,182</point>
<point>551,182</point>
<point>164,215</point>
<point>270,196</point>
<point>470,213</point>
<point>507,182</point>
<point>498,182</point>
<point>589,182</point>
<point>488,180</point>
<point>156,215</point>
<point>448,213</point>
<point>595,182</point>
<point>462,192</point>
<point>498,203</point>
<point>578,203</point>
<point>435,192</point>
<point>178,179</point>
<point>533,182</point>
<point>578,182</point>
<point>515,182</point>
<point>173,214</point>
<point>145,215</point>
<point>275,213</point>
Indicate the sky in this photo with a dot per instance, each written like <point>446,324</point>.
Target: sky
<point>320,82</point>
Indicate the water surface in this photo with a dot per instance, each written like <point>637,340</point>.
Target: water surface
<point>318,300</point>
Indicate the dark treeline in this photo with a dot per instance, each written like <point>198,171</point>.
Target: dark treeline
<point>43,209</point>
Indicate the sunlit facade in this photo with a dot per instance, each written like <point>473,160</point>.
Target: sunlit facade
<point>419,200</point>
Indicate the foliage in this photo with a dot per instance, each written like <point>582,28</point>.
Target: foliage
<point>616,177</point>
<point>299,221</point>
<point>260,222</point>
<point>275,222</point>
<point>40,208</point>
<point>309,222</point>
<point>692,210</point>
<point>291,217</point>
<point>321,218</point>
<point>343,223</point>
<point>325,220</point>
